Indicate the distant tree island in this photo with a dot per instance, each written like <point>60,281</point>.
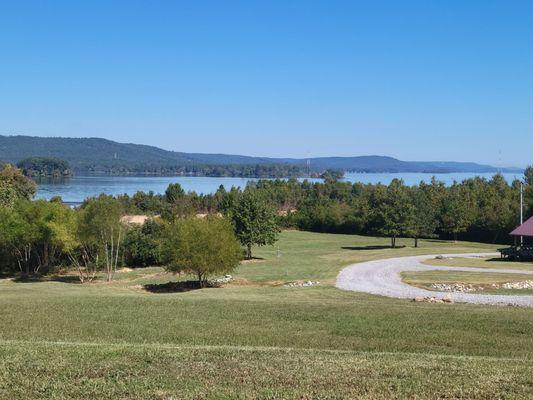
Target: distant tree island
<point>41,167</point>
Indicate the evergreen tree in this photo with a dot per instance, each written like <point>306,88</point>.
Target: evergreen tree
<point>424,219</point>
<point>528,175</point>
<point>174,193</point>
<point>458,210</point>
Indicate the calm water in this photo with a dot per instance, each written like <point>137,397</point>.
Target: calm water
<point>78,188</point>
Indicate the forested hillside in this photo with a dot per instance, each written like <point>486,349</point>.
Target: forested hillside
<point>96,155</point>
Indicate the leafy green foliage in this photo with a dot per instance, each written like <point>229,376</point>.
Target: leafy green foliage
<point>458,210</point>
<point>475,209</point>
<point>393,212</point>
<point>142,244</point>
<point>203,246</point>
<point>327,216</point>
<point>100,232</point>
<point>423,221</point>
<point>255,222</point>
<point>174,193</point>
<point>35,234</point>
<point>14,186</point>
<point>44,167</point>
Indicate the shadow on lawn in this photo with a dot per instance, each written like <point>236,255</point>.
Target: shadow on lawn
<point>506,260</point>
<point>177,287</point>
<point>45,278</point>
<point>377,247</point>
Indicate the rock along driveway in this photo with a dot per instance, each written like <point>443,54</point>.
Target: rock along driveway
<point>382,277</point>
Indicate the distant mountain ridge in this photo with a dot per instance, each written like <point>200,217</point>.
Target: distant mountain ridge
<point>97,155</point>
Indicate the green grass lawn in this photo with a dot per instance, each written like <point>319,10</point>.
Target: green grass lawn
<point>259,339</point>
<point>490,263</point>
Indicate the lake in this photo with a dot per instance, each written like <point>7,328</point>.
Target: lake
<point>78,188</point>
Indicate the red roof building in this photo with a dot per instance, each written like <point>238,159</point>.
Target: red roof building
<point>526,229</point>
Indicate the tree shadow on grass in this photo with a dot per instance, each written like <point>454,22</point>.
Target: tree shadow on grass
<point>46,278</point>
<point>506,260</point>
<point>376,247</point>
<point>66,278</point>
<point>177,287</point>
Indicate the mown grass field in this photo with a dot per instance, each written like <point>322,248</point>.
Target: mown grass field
<point>257,338</point>
<point>490,263</point>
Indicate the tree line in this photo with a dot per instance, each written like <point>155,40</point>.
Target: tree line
<point>475,209</point>
<point>209,234</point>
<point>39,237</point>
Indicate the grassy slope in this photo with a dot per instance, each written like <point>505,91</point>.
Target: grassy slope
<point>64,340</point>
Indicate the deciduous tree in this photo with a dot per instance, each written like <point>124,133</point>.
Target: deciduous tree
<point>204,247</point>
<point>101,231</point>
<point>394,211</point>
<point>14,186</point>
<point>255,222</point>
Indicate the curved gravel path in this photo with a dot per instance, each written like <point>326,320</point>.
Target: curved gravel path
<point>382,277</point>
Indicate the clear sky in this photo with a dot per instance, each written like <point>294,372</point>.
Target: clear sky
<point>417,80</point>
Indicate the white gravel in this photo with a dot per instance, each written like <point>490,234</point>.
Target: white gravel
<point>382,277</point>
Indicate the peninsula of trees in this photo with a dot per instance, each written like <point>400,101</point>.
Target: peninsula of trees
<point>38,167</point>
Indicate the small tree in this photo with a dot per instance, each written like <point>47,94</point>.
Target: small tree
<point>100,232</point>
<point>178,204</point>
<point>202,246</point>
<point>174,193</point>
<point>33,233</point>
<point>18,235</point>
<point>394,211</point>
<point>255,223</point>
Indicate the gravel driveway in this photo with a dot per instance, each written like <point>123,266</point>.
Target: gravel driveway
<point>382,277</point>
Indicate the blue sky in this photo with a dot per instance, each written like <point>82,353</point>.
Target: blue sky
<point>417,80</point>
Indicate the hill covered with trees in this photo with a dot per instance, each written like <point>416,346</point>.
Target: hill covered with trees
<point>102,156</point>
